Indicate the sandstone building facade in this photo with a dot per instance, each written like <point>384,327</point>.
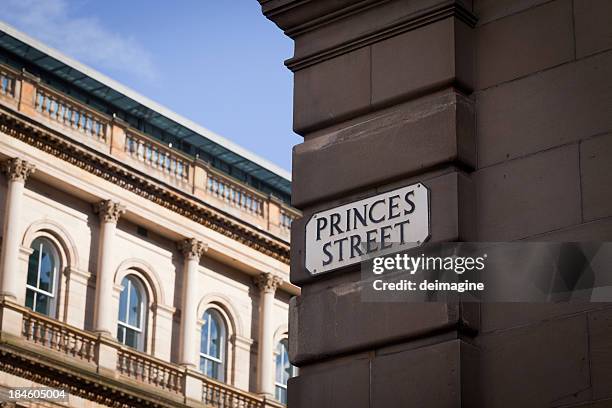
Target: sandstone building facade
<point>144,259</point>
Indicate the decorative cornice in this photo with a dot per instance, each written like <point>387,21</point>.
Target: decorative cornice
<point>17,169</point>
<point>429,16</point>
<point>164,309</point>
<point>268,282</point>
<point>21,127</point>
<point>192,248</point>
<point>109,211</point>
<point>77,274</point>
<point>30,366</point>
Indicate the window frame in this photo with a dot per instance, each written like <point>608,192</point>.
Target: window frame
<point>54,304</point>
<point>133,280</point>
<point>223,343</point>
<point>293,373</point>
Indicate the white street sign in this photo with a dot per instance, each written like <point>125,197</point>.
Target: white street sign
<point>350,233</point>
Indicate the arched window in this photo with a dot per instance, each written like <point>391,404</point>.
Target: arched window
<point>42,281</point>
<point>284,370</point>
<point>213,344</point>
<point>131,327</point>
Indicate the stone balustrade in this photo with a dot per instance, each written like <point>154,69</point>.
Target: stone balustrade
<point>149,370</point>
<point>70,113</point>
<point>54,335</point>
<point>47,340</point>
<point>7,83</point>
<point>217,394</point>
<point>156,156</point>
<point>235,195</point>
<point>115,138</point>
<point>286,218</point>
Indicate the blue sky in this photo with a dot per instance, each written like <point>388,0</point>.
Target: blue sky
<point>218,63</point>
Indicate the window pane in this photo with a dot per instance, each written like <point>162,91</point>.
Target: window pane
<point>42,303</point>
<point>131,338</point>
<point>213,349</point>
<point>29,299</point>
<point>281,394</point>
<point>33,268</point>
<point>47,269</point>
<point>123,302</point>
<point>211,368</point>
<point>287,371</point>
<point>121,333</point>
<point>284,369</point>
<point>134,306</point>
<point>204,335</point>
<point>279,365</point>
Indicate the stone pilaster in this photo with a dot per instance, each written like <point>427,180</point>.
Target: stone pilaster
<point>192,250</point>
<point>109,213</point>
<point>17,171</point>
<point>267,284</point>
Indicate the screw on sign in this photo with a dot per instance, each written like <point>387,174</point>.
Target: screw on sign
<point>344,235</point>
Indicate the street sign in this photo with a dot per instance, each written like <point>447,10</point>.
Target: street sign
<point>348,234</point>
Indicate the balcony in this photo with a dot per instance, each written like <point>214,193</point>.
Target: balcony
<point>112,137</point>
<point>98,368</point>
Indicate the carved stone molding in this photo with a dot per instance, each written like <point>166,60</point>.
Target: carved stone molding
<point>59,146</point>
<point>17,169</point>
<point>192,248</point>
<point>268,282</point>
<point>109,211</point>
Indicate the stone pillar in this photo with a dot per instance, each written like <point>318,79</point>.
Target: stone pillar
<point>162,331</point>
<point>200,178</point>
<point>192,250</point>
<point>389,93</point>
<point>274,213</point>
<point>17,171</point>
<point>382,97</point>
<point>117,136</point>
<point>267,284</point>
<point>242,356</point>
<point>76,286</point>
<point>109,213</point>
<point>27,94</point>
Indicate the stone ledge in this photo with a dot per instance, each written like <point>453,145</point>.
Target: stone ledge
<point>412,138</point>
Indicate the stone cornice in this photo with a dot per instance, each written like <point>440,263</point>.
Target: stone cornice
<point>165,309</point>
<point>77,274</point>
<point>290,15</point>
<point>26,130</point>
<point>443,10</point>
<point>25,362</point>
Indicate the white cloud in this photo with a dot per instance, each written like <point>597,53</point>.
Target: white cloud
<point>83,38</point>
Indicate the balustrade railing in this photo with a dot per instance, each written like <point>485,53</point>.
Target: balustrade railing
<point>84,123</point>
<point>157,157</point>
<point>234,194</point>
<point>221,396</point>
<point>149,370</point>
<point>286,219</point>
<point>60,337</point>
<point>7,83</point>
<point>59,108</point>
<point>73,342</point>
